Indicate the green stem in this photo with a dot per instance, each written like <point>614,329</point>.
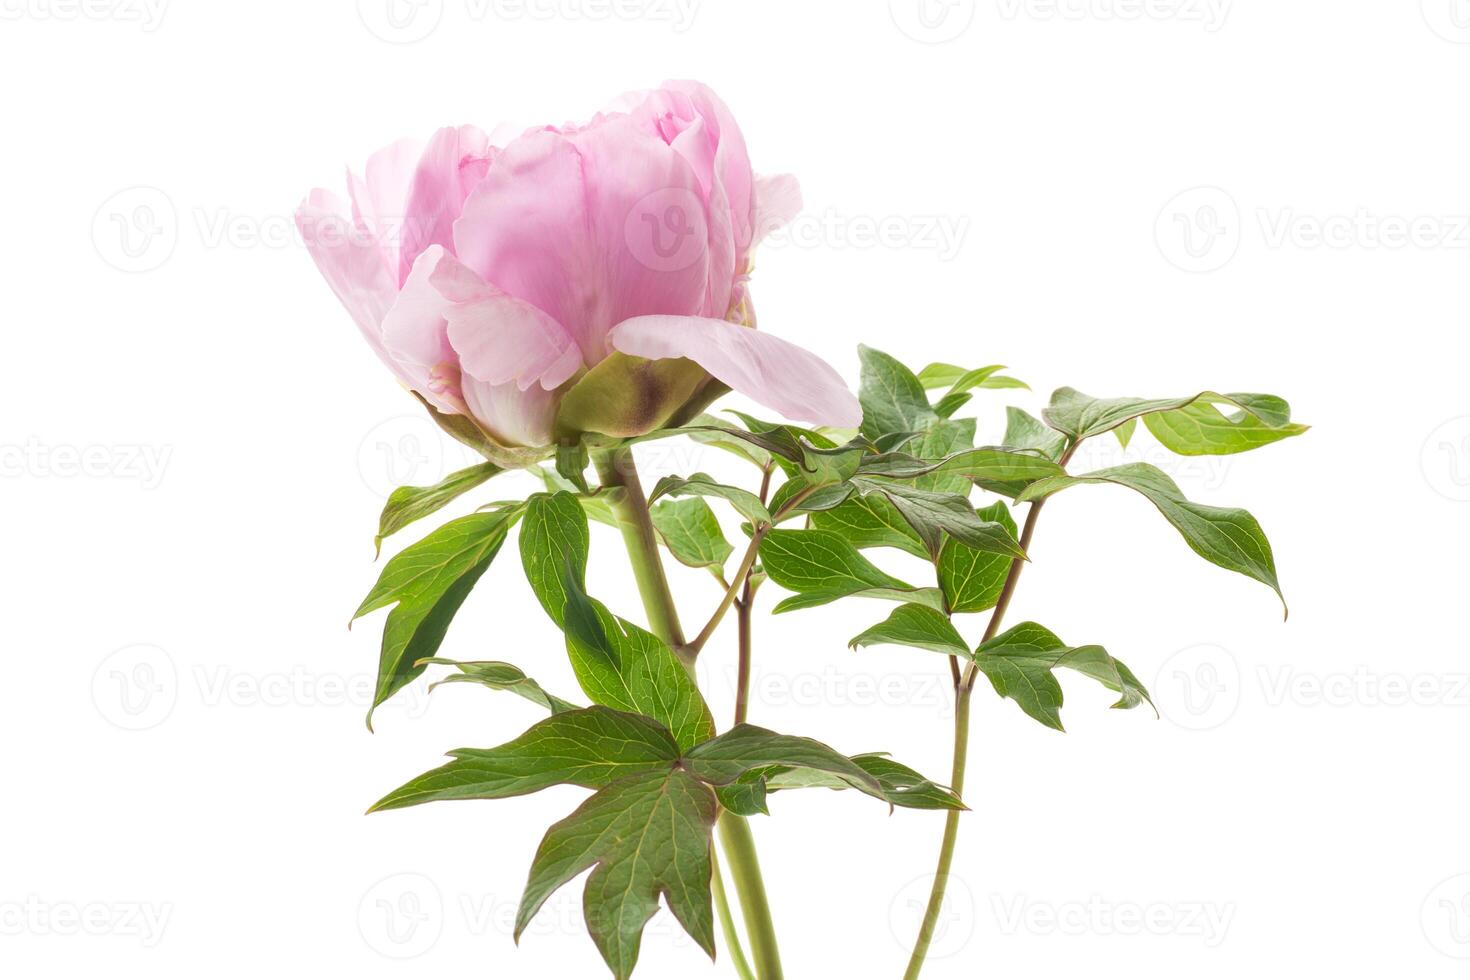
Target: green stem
<point>951,834</point>
<point>727,922</point>
<point>617,470</point>
<point>963,689</point>
<point>745,868</point>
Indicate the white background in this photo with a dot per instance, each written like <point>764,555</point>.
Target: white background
<point>182,711</point>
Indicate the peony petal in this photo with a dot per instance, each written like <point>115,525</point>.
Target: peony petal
<point>777,201</point>
<point>774,372</point>
<point>515,417</point>
<point>414,334</point>
<point>379,198</point>
<point>500,339</point>
<point>351,264</point>
<point>452,163</point>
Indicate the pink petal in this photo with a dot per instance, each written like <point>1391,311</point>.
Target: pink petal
<point>778,374</point>
<point>351,264</point>
<point>379,198</point>
<point>777,201</point>
<point>452,163</point>
<point>500,339</point>
<point>515,417</point>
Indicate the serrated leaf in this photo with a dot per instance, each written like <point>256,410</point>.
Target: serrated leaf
<point>933,515</point>
<point>746,504</point>
<point>1224,536</point>
<point>500,677</point>
<point>408,504</point>
<point>821,567</point>
<point>554,544</point>
<point>892,398</point>
<point>588,747</point>
<point>870,522</point>
<point>623,666</point>
<point>643,836</point>
<point>1201,429</point>
<point>971,579</point>
<point>426,583</point>
<point>915,626</point>
<point>724,759</point>
<point>1020,661</point>
<point>1082,416</point>
<point>691,532</point>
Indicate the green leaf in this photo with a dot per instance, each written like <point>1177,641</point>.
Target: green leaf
<point>870,522</point>
<point>899,785</point>
<point>915,626</point>
<point>692,533</point>
<point>1020,661</point>
<point>571,464</point>
<point>988,464</point>
<point>796,498</point>
<point>1025,431</point>
<point>821,567</point>
<point>932,515</point>
<point>500,677</point>
<point>426,583</point>
<point>724,759</point>
<point>892,398</point>
<point>1201,429</point>
<point>408,504</point>
<point>944,439</point>
<point>644,836</point>
<point>1125,431</point>
<point>554,544</point>
<point>746,797</point>
<point>1082,416</point>
<point>710,431</point>
<point>624,666</point>
<point>595,505</point>
<point>971,579</point>
<point>746,504</point>
<point>588,747</point>
<point>1225,536</point>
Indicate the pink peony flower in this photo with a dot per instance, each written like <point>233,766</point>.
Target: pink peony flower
<point>576,279</point>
